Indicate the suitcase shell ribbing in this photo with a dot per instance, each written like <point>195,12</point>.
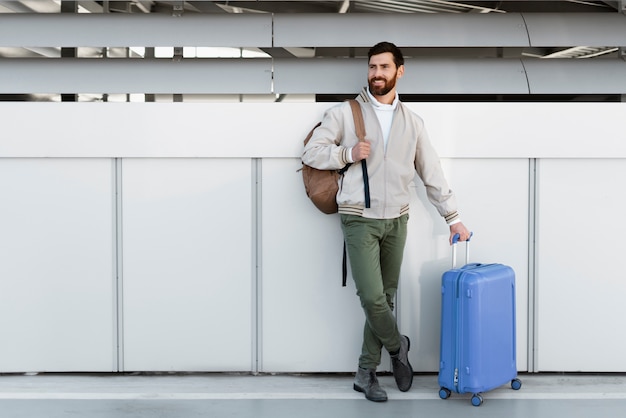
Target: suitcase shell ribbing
<point>478,342</point>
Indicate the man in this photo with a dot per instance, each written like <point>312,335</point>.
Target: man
<point>396,147</point>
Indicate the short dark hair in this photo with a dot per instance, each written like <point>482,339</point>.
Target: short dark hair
<point>383,47</point>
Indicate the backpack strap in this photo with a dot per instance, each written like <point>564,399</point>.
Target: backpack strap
<point>344,266</point>
<point>359,124</point>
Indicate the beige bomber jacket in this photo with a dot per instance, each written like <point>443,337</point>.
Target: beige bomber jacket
<point>391,171</point>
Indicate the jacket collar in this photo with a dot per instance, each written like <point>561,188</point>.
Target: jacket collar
<point>365,97</point>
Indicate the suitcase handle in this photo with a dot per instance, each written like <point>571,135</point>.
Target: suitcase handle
<point>457,237</point>
<point>455,240</point>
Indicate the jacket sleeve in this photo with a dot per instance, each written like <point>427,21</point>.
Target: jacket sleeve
<point>428,167</point>
<point>324,150</point>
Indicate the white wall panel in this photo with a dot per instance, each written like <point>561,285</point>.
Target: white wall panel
<point>309,323</point>
<point>276,130</point>
<point>493,201</point>
<point>187,265</point>
<point>580,258</point>
<point>525,130</point>
<point>57,277</point>
<point>188,223</point>
<point>302,275</point>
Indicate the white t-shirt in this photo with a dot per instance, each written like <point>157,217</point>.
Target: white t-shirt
<point>384,112</point>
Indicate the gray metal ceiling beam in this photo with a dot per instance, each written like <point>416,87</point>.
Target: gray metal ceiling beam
<point>149,30</point>
<point>417,30</point>
<point>457,76</point>
<point>451,30</point>
<point>575,29</point>
<point>196,76</point>
<point>576,76</point>
<point>422,76</point>
<point>308,76</point>
<point>313,30</point>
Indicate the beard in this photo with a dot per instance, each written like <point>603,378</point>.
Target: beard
<point>381,90</point>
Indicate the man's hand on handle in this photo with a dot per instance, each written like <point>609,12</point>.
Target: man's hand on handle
<point>459,228</point>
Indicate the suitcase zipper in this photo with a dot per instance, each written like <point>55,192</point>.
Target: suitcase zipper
<point>457,326</point>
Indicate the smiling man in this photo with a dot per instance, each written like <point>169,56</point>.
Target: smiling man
<point>396,147</point>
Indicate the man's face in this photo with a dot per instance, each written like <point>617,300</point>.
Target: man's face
<point>383,73</point>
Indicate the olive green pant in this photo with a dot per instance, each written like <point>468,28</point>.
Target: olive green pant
<point>375,248</point>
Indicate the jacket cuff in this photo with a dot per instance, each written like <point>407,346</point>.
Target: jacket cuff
<point>452,218</point>
<point>345,155</point>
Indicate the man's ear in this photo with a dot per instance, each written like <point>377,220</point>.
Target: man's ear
<point>400,71</point>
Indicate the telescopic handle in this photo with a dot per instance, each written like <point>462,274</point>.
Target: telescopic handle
<point>455,240</point>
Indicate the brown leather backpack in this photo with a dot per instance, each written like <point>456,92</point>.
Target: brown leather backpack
<point>321,186</point>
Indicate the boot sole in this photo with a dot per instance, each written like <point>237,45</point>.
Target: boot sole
<point>360,389</point>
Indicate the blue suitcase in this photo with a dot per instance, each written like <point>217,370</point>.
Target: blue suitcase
<point>477,351</point>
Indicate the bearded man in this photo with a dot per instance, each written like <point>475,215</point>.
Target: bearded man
<point>375,229</point>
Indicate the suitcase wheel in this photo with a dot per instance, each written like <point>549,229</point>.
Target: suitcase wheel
<point>516,384</point>
<point>477,400</point>
<point>444,393</point>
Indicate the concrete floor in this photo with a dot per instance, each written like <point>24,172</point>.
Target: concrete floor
<point>300,396</point>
